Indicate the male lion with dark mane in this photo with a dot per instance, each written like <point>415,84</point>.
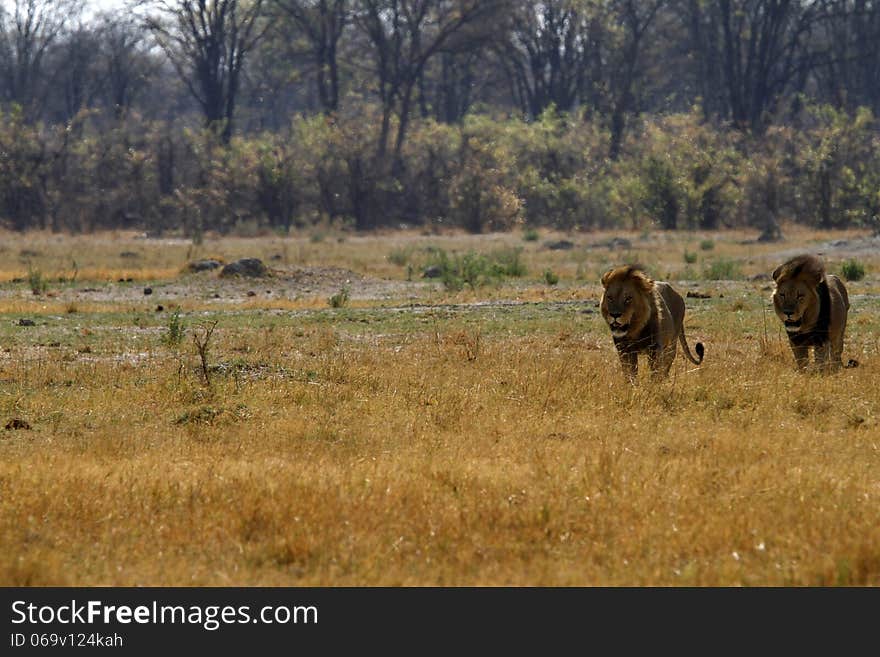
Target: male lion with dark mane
<point>644,316</point>
<point>812,306</point>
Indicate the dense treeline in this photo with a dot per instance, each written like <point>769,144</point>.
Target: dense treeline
<point>246,115</point>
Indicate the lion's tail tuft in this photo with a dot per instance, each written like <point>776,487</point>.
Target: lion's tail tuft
<point>687,352</point>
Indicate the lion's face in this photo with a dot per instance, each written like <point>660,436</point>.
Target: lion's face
<point>792,299</point>
<point>796,299</point>
<point>625,301</point>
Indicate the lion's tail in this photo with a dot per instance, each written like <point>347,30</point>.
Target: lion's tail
<point>697,347</point>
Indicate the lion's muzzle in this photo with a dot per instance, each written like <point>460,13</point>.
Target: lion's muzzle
<point>618,330</point>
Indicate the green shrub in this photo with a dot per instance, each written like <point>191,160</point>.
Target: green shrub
<point>175,330</point>
<point>340,299</point>
<point>480,195</point>
<point>473,269</point>
<point>37,282</point>
<point>662,199</point>
<point>837,168</point>
<point>722,269</point>
<point>852,270</point>
<point>550,277</point>
<point>531,235</point>
<point>690,258</point>
<point>507,262</point>
<point>707,245</point>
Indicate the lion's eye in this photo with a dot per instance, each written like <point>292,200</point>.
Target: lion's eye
<point>800,296</point>
<point>782,295</point>
<point>628,300</point>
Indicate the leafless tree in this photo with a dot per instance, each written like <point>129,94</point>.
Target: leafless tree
<point>404,36</point>
<point>28,29</point>
<point>544,55</point>
<point>207,41</point>
<point>126,62</point>
<point>322,23</point>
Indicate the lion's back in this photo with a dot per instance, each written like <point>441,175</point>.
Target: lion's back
<point>837,289</point>
<point>673,301</point>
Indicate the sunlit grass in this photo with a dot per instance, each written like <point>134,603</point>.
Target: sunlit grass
<point>467,444</point>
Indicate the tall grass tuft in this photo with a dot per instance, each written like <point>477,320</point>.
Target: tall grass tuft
<point>37,282</point>
<point>852,270</point>
<point>340,299</point>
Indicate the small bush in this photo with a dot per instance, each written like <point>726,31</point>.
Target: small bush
<point>852,270</point>
<point>662,192</point>
<point>507,262</point>
<point>550,277</point>
<point>476,269</point>
<point>707,245</point>
<point>400,256</point>
<point>340,299</point>
<point>690,258</point>
<point>531,235</point>
<point>175,331</point>
<point>722,270</point>
<point>39,285</point>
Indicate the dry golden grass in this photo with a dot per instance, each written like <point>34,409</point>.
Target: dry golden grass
<point>464,448</point>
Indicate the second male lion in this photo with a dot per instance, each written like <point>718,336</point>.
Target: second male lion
<point>812,306</point>
<point>645,316</point>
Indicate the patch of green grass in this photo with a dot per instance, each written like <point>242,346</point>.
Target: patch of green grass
<point>531,235</point>
<point>550,277</point>
<point>852,270</point>
<point>690,258</point>
<point>707,245</point>
<point>722,269</point>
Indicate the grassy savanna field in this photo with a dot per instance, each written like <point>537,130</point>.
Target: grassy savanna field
<point>418,435</point>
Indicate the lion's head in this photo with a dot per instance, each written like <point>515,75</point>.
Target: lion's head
<point>626,300</point>
<point>796,298</point>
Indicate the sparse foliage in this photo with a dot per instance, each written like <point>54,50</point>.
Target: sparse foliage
<point>201,339</point>
<point>175,331</point>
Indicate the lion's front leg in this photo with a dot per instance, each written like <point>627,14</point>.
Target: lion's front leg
<point>630,362</point>
<point>825,361</point>
<point>801,355</point>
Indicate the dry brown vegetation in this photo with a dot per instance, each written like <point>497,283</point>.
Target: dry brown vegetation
<point>447,443</point>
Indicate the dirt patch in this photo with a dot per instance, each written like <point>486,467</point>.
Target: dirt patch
<point>281,283</point>
<point>840,248</point>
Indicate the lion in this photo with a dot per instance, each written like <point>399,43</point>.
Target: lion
<point>644,316</point>
<point>812,306</point>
